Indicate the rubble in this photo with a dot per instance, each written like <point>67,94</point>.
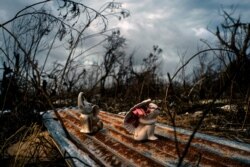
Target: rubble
<point>114,146</point>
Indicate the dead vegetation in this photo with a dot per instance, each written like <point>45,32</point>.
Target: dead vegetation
<point>30,146</point>
<point>28,87</point>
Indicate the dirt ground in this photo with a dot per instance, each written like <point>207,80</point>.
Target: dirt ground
<point>221,125</point>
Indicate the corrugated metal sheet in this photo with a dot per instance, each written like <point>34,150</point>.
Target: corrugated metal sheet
<point>114,146</point>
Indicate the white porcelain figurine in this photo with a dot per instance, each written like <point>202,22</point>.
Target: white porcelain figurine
<point>140,120</point>
<point>89,116</point>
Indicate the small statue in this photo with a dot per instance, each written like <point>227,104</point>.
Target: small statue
<point>140,120</point>
<point>89,116</point>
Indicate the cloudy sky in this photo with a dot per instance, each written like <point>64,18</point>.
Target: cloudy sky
<point>175,25</point>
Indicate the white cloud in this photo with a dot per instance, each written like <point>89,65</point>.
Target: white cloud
<point>201,32</point>
<point>173,25</point>
<point>125,25</point>
<point>157,15</point>
<point>3,15</point>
